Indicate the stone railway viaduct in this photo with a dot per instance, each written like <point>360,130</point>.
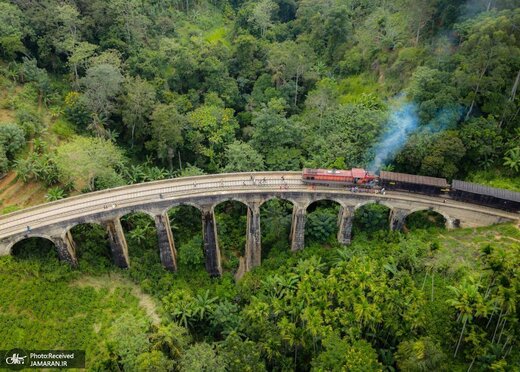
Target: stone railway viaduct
<point>54,221</point>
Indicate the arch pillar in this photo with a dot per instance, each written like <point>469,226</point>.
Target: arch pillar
<point>452,223</point>
<point>209,233</point>
<point>253,250</point>
<point>66,248</point>
<point>299,218</point>
<point>345,218</point>
<point>117,241</point>
<point>165,240</point>
<point>397,218</point>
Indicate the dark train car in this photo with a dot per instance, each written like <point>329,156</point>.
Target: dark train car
<point>485,195</point>
<point>354,176</point>
<point>411,182</point>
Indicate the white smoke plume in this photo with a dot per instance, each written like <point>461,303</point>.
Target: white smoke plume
<point>403,121</point>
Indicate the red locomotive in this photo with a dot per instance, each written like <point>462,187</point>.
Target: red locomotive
<point>354,176</point>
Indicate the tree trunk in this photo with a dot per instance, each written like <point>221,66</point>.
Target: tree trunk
<point>471,365</point>
<point>515,87</point>
<point>460,338</point>
<point>432,284</point>
<point>476,90</point>
<point>498,323</point>
<point>171,155</point>
<point>296,88</point>
<point>512,97</point>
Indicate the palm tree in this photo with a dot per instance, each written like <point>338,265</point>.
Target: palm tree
<point>203,305</point>
<point>469,302</point>
<point>512,159</point>
<point>55,193</point>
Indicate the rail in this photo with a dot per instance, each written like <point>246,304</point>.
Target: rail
<point>100,201</point>
<point>172,189</point>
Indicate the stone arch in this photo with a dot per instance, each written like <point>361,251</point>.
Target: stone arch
<point>438,211</point>
<point>180,204</point>
<point>78,238</point>
<point>139,250</point>
<point>374,201</point>
<point>70,226</point>
<point>282,230</point>
<point>366,223</point>
<point>279,197</point>
<point>21,238</point>
<point>184,220</point>
<point>233,256</point>
<point>309,221</point>
<point>136,210</point>
<point>431,209</point>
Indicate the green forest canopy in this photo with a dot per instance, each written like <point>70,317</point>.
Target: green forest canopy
<point>276,85</point>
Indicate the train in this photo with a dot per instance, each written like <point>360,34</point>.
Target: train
<point>359,179</point>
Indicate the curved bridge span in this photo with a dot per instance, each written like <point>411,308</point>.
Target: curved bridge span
<point>54,220</point>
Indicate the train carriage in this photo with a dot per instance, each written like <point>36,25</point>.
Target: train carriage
<point>485,195</point>
<point>413,183</point>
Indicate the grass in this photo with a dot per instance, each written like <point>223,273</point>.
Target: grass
<point>45,305</point>
<point>63,129</point>
<point>353,87</point>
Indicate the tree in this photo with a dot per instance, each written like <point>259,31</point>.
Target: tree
<point>83,160</point>
<point>443,156</point>
<point>290,61</point>
<point>247,61</point>
<point>12,139</point>
<point>80,56</point>
<point>241,355</point>
<point>418,14</point>
<point>137,106</point>
<point>482,138</point>
<point>512,159</point>
<point>242,157</point>
<point>55,193</point>
<point>166,136</point>
<point>191,170</point>
<point>4,162</point>
<point>262,13</point>
<point>191,253</point>
<point>423,354</point>
<point>210,130</point>
<point>202,357</point>
<point>12,30</point>
<point>272,130</point>
<point>428,88</point>
<point>128,339</point>
<point>345,132</point>
<point>153,361</point>
<point>341,355</point>
<point>486,73</point>
<point>102,84</point>
<point>327,26</point>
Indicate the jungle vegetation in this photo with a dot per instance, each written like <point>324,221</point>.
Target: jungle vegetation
<point>96,94</point>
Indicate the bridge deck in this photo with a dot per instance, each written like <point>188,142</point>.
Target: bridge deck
<point>196,187</point>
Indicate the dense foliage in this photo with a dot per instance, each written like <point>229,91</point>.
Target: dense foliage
<point>428,300</point>
<point>252,85</point>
